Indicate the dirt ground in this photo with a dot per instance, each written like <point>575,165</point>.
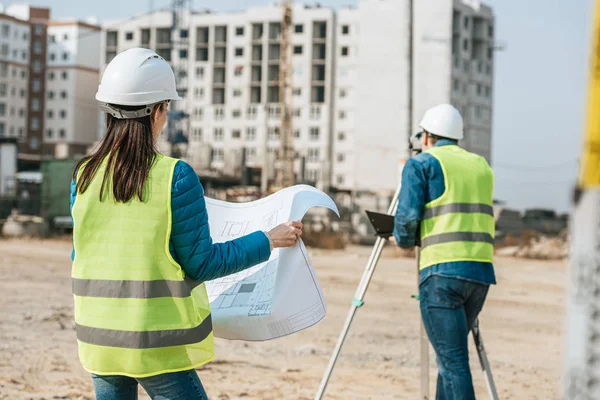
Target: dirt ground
<point>522,324</point>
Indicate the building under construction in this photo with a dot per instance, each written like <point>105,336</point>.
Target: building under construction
<point>335,80</point>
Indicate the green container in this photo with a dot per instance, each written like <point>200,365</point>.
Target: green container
<point>55,191</point>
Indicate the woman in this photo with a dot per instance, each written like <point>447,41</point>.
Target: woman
<point>142,248</point>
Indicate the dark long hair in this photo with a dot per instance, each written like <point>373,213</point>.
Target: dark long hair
<point>129,148</point>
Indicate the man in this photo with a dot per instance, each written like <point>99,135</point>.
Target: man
<point>446,206</point>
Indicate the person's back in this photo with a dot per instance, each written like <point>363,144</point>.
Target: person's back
<point>446,207</point>
<point>142,248</point>
<point>459,225</point>
<point>121,254</point>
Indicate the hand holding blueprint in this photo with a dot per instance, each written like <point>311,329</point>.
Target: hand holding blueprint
<point>275,298</point>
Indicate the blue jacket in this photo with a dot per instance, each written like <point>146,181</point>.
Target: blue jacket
<point>191,245</point>
<point>423,182</point>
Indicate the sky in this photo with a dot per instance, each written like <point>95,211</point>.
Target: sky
<point>539,90</point>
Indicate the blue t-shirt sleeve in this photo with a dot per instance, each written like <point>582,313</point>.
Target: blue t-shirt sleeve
<point>411,203</point>
<point>72,201</point>
<point>200,258</point>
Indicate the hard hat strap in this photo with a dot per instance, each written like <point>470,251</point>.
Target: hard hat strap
<point>128,114</point>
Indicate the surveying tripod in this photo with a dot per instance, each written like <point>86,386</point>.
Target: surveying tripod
<point>358,302</point>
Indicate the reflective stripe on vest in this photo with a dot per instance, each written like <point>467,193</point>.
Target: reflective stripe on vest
<point>144,340</point>
<point>133,289</point>
<point>136,312</point>
<point>457,237</point>
<point>458,208</point>
<point>459,225</point>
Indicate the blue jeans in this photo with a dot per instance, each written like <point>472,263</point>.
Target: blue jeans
<point>449,308</point>
<point>174,386</point>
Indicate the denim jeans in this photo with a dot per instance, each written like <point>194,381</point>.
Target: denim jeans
<point>449,307</point>
<point>174,386</point>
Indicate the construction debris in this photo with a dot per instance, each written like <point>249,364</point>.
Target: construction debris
<point>397,252</point>
<point>536,247</point>
<point>540,248</point>
<point>322,230</point>
<point>18,226</point>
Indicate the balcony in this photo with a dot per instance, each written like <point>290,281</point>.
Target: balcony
<point>163,38</point>
<point>146,38</point>
<point>221,34</point>
<point>318,74</point>
<point>319,52</point>
<point>274,32</point>
<point>256,75</point>
<point>218,96</point>
<point>110,55</point>
<point>165,53</point>
<point>273,94</point>
<point>318,94</point>
<point>273,74</point>
<point>112,39</point>
<point>202,54</point>
<point>274,53</point>
<point>218,76</point>
<point>257,32</point>
<point>255,94</point>
<point>220,55</point>
<point>480,29</point>
<point>257,53</point>
<point>319,31</point>
<point>202,35</point>
<point>456,18</point>
<point>479,50</point>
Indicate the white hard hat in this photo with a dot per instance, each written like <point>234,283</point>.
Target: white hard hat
<point>443,120</point>
<point>136,77</point>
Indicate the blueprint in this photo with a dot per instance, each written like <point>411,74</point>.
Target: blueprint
<point>275,298</point>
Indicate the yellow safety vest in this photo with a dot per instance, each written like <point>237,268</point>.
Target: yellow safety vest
<point>136,312</point>
<point>459,225</point>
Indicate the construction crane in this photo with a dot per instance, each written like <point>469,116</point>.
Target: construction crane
<point>285,162</point>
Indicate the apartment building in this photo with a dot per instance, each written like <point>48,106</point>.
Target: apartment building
<point>72,116</point>
<point>228,71</point>
<point>350,83</point>
<point>344,93</point>
<point>472,73</point>
<point>14,76</point>
<point>49,71</point>
<point>452,63</point>
<point>379,139</point>
<point>22,62</point>
<point>235,90</point>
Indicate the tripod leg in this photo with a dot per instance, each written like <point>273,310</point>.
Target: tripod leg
<point>424,342</point>
<point>357,302</point>
<point>483,361</point>
<point>424,364</point>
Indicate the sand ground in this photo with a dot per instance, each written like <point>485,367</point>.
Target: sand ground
<point>522,324</point>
